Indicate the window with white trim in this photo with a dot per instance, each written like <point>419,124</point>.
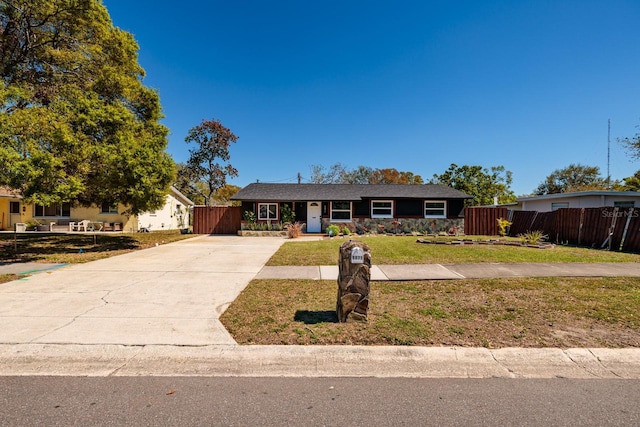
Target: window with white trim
<point>559,205</point>
<point>382,209</point>
<point>267,211</point>
<point>340,211</point>
<point>435,209</point>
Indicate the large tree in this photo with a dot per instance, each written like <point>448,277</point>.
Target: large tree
<point>208,167</point>
<point>575,177</point>
<point>393,176</point>
<point>339,174</point>
<point>483,184</point>
<point>196,189</point>
<point>76,122</point>
<point>631,183</point>
<point>632,145</point>
<point>333,175</point>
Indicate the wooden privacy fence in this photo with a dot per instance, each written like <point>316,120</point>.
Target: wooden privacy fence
<point>216,219</point>
<point>608,227</point>
<point>483,221</point>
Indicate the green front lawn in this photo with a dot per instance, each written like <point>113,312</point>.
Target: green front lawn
<point>514,312</point>
<point>405,250</point>
<point>493,313</point>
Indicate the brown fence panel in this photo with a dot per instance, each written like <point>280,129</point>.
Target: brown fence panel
<point>481,221</point>
<point>542,222</point>
<point>596,225</point>
<point>604,227</point>
<point>217,219</point>
<point>566,225</point>
<point>522,221</point>
<point>631,240</point>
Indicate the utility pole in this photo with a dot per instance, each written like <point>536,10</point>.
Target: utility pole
<point>609,154</point>
<point>299,178</point>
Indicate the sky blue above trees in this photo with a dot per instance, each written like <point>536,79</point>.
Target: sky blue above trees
<point>410,85</point>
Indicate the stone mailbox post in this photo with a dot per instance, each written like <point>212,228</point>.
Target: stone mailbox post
<point>354,264</point>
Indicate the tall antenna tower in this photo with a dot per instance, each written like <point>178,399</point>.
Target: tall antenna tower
<point>609,154</point>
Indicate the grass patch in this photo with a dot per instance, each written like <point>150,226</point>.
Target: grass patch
<point>78,248</point>
<point>4,278</point>
<point>493,313</point>
<point>405,250</point>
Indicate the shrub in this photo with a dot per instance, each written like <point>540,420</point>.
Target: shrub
<point>249,216</point>
<point>333,230</point>
<point>533,237</point>
<point>288,216</point>
<point>503,224</point>
<point>294,230</point>
<point>346,231</point>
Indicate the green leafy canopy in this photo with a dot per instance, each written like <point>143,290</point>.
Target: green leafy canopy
<point>481,183</point>
<point>204,176</point>
<point>76,122</point>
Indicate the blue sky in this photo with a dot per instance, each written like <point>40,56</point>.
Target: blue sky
<point>411,85</point>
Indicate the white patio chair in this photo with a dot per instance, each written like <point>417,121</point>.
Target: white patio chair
<point>83,225</point>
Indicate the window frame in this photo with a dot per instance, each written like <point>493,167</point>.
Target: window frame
<point>62,210</point>
<point>268,218</point>
<point>390,208</point>
<point>559,205</point>
<point>112,209</point>
<point>624,204</point>
<point>12,207</point>
<point>333,210</point>
<point>443,209</point>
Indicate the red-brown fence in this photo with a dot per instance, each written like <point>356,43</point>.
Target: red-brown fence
<point>605,227</point>
<point>217,219</point>
<point>483,221</point>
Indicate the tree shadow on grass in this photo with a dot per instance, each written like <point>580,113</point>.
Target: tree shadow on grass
<point>34,247</point>
<point>313,317</point>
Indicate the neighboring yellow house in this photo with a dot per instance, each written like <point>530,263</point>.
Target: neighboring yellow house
<point>173,215</point>
<point>58,216</point>
<point>11,208</point>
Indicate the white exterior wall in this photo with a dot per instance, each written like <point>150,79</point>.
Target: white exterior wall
<point>584,201</point>
<point>173,215</point>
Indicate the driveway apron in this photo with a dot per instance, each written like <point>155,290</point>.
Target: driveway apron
<point>171,294</point>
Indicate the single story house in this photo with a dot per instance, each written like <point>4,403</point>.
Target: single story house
<point>106,217</point>
<point>173,215</point>
<point>362,208</point>
<point>579,199</point>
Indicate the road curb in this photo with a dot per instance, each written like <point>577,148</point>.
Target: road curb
<point>317,361</point>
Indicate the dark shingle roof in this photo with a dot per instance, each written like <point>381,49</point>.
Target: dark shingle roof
<point>350,192</point>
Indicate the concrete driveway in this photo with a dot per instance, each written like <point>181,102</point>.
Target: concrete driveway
<point>155,312</point>
<point>172,294</point>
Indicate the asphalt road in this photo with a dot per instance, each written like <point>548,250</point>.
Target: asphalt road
<point>181,401</point>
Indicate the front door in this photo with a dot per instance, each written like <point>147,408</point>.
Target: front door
<point>314,212</point>
<point>14,214</point>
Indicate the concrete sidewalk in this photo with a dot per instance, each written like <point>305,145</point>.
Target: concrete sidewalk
<point>26,268</point>
<point>156,311</point>
<point>459,271</point>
